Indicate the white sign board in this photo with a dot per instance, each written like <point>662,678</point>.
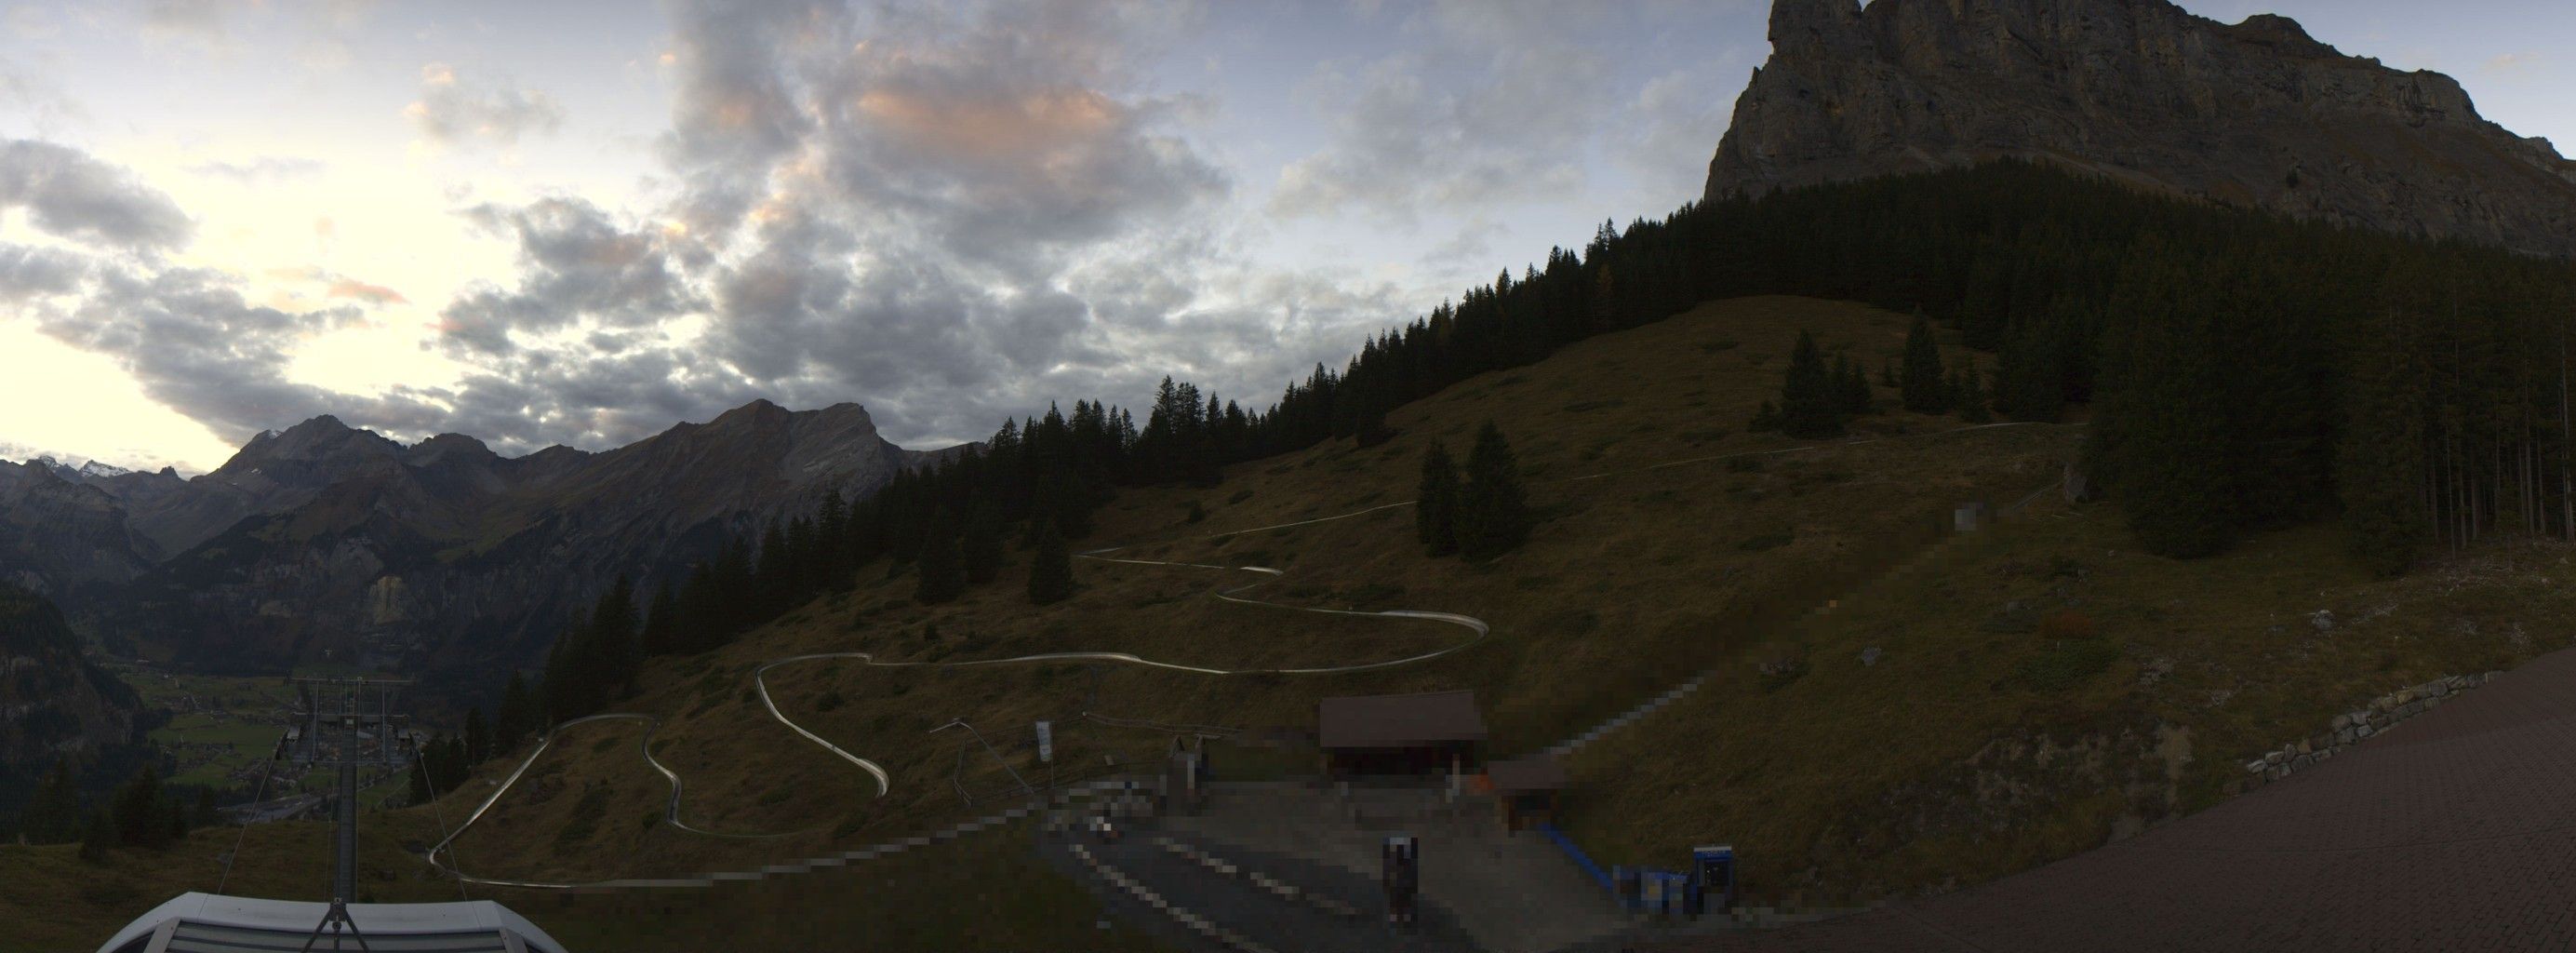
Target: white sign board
<point>1046,742</point>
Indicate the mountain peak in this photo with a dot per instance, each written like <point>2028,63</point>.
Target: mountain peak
<point>2139,91</point>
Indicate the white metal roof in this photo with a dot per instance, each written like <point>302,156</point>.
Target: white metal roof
<point>206,923</point>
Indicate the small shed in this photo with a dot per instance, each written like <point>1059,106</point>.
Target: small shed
<point>1526,790</point>
<point>1423,733</point>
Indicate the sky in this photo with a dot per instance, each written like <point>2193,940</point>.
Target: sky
<point>580,223</point>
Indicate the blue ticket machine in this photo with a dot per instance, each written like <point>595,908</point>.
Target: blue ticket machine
<point>1713,876</point>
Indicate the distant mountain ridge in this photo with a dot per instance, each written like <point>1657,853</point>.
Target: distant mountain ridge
<point>2256,114</point>
<point>324,541</point>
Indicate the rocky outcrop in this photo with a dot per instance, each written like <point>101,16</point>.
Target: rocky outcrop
<point>52,701</point>
<point>2256,113</point>
<point>328,542</point>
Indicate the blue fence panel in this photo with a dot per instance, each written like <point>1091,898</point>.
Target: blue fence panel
<point>1580,859</point>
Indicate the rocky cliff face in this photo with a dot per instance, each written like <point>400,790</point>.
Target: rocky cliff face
<point>52,701</point>
<point>60,535</point>
<point>2255,113</point>
<point>326,542</point>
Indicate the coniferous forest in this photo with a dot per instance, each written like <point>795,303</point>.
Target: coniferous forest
<point>2244,371</point>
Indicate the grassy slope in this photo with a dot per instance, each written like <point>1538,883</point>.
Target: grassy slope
<point>1943,765</point>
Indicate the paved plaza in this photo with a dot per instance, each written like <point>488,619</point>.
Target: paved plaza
<point>2455,830</point>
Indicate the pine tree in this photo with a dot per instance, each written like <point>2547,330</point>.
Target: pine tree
<point>1968,396</point>
<point>1851,387</point>
<point>1435,510</point>
<point>1923,384</point>
<point>142,818</point>
<point>2382,454</point>
<point>1493,515</point>
<point>1887,375</point>
<point>206,815</point>
<point>449,771</point>
<point>943,570</point>
<point>611,651</point>
<point>774,577</point>
<point>981,546</point>
<point>53,814</point>
<point>420,779</point>
<point>1050,567</point>
<point>2164,439</point>
<point>2029,376</point>
<point>1808,402</point>
<point>178,821</point>
<point>661,635</point>
<point>99,835</point>
<point>478,737</point>
<point>517,716</point>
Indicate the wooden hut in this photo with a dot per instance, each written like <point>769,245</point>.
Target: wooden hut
<point>1417,734</point>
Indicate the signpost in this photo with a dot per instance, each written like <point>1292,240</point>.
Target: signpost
<point>1046,743</point>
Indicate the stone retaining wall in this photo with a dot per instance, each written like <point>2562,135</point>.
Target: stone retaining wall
<point>2352,727</point>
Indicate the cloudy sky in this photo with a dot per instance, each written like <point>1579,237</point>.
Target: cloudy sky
<point>579,223</point>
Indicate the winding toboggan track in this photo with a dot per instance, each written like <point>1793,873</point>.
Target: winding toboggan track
<point>441,855</point>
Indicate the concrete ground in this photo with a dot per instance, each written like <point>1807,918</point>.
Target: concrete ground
<point>1262,916</point>
<point>1512,893</point>
<point>2455,830</point>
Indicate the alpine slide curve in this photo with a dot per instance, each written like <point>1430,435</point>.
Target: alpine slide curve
<point>442,854</point>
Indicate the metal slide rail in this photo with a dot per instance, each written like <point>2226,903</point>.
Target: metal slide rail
<point>1234,594</point>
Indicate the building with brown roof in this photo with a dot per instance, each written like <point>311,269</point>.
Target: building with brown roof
<point>1422,733</point>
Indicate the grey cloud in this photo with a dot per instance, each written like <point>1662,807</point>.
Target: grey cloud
<point>30,272</point>
<point>68,193</point>
<point>1404,141</point>
<point>192,342</point>
<point>262,170</point>
<point>575,263</point>
<point>452,110</point>
<point>736,113</point>
<point>898,193</point>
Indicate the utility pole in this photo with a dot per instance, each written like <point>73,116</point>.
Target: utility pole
<point>341,732</point>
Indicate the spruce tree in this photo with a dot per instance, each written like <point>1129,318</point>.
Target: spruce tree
<point>942,569</point>
<point>1851,387</point>
<point>1923,384</point>
<point>609,649</point>
<point>517,716</point>
<point>420,779</point>
<point>99,835</point>
<point>2029,376</point>
<point>1808,403</point>
<point>1968,395</point>
<point>478,737</point>
<point>1435,510</point>
<point>1050,567</point>
<point>53,815</point>
<point>2382,454</point>
<point>981,546</point>
<point>661,634</point>
<point>142,819</point>
<point>1493,515</point>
